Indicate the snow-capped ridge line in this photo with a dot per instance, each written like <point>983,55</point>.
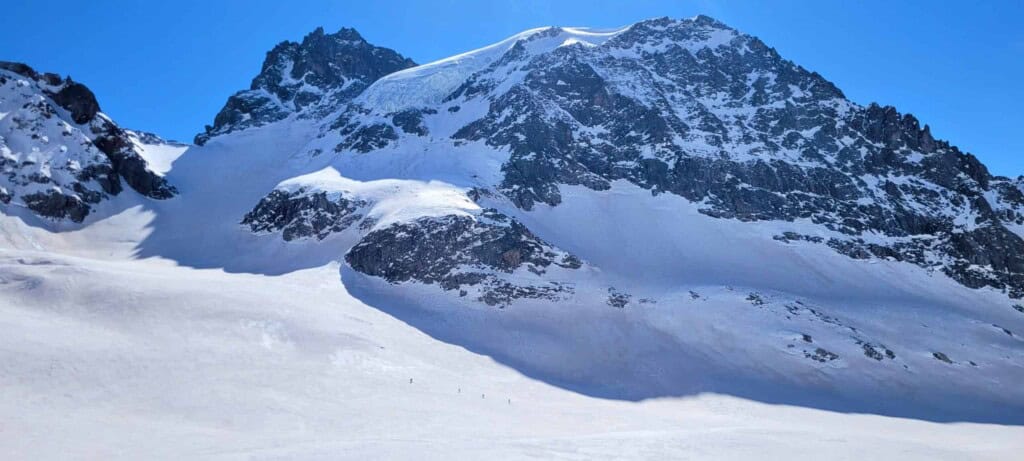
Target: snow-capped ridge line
<point>428,84</point>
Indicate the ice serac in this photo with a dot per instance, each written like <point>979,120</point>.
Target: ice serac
<point>308,79</point>
<point>60,156</point>
<point>695,108</point>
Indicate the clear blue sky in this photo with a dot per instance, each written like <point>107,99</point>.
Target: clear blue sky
<point>167,67</point>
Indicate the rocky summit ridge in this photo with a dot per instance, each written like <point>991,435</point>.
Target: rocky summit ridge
<point>308,78</point>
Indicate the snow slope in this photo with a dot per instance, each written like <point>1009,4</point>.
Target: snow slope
<point>159,154</point>
<point>144,359</point>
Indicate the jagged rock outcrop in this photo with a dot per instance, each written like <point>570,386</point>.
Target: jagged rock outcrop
<point>458,252</point>
<point>303,213</point>
<point>309,78</point>
<point>59,155</point>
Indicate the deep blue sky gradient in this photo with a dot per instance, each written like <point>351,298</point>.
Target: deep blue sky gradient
<point>167,67</point>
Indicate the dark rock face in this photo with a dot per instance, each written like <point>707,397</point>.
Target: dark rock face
<point>116,144</point>
<point>309,78</point>
<point>411,121</point>
<point>78,100</point>
<point>942,357</point>
<point>480,253</point>
<point>462,251</point>
<point>720,118</point>
<point>56,137</point>
<point>56,205</point>
<point>362,137</point>
<point>303,214</point>
<point>365,138</point>
<point>73,96</point>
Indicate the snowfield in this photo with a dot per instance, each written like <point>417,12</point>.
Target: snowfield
<point>143,359</point>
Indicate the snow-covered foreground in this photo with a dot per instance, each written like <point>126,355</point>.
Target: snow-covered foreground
<point>144,359</point>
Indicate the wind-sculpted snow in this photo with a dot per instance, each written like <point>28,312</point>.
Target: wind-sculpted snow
<point>700,110</point>
<point>59,155</point>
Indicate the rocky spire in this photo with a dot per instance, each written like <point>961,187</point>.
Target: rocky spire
<point>306,78</point>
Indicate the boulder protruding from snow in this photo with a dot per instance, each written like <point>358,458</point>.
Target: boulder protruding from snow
<point>462,253</point>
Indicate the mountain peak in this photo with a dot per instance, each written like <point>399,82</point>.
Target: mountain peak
<point>312,76</point>
<point>697,22</point>
<point>345,33</point>
<point>705,20</point>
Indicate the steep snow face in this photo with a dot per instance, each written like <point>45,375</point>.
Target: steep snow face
<point>309,79</point>
<point>158,153</point>
<point>60,157</point>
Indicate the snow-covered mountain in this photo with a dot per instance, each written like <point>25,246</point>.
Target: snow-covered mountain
<point>697,109</point>
<point>59,154</point>
<point>664,210</point>
<point>455,174</point>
